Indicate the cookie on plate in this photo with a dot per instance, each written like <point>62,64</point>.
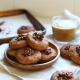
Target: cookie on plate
<point>47,55</point>
<point>18,42</point>
<point>12,52</point>
<point>28,55</point>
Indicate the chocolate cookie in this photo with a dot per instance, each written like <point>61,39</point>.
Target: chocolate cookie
<point>37,41</point>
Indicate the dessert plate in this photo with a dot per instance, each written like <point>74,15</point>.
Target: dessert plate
<point>37,66</point>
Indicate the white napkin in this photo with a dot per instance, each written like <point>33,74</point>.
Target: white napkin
<point>72,16</point>
<point>69,14</point>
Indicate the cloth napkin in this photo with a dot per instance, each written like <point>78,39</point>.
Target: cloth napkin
<point>60,64</point>
<point>68,14</point>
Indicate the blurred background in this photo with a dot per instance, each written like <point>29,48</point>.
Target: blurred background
<point>42,8</point>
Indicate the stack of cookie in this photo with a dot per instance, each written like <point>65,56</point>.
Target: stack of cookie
<point>31,48</point>
<point>71,51</point>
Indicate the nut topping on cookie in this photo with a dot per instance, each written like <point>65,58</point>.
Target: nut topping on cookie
<point>38,36</point>
<point>78,49</point>
<point>66,76</point>
<point>67,47</point>
<point>47,51</point>
<point>28,51</point>
<point>25,27</point>
<point>21,37</point>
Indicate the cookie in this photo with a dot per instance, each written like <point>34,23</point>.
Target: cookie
<point>47,55</point>
<point>64,75</point>
<point>27,55</point>
<point>25,29</point>
<point>37,41</point>
<point>11,52</point>
<point>74,54</point>
<point>18,42</point>
<point>64,51</point>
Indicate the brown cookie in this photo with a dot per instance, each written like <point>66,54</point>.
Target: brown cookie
<point>27,55</point>
<point>18,42</point>
<point>11,52</point>
<point>74,54</point>
<point>25,29</point>
<point>64,75</point>
<point>47,55</point>
<point>37,41</point>
<point>64,51</point>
